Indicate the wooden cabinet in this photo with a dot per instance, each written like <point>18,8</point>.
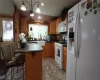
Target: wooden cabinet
<point>54,26</point>
<point>24,25</point>
<point>43,52</point>
<point>33,66</point>
<point>64,58</point>
<point>57,24</point>
<point>49,49</point>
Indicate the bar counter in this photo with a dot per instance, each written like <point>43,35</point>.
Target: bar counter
<point>33,61</point>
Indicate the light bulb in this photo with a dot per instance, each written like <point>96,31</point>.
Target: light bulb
<point>38,10</point>
<point>42,4</point>
<point>31,14</point>
<point>23,7</point>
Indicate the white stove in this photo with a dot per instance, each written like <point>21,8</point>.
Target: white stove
<point>59,54</point>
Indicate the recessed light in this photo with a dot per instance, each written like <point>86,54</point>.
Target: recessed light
<point>39,17</point>
<point>42,4</point>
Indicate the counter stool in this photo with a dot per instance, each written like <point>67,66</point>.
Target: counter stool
<point>2,69</point>
<point>14,46</point>
<point>12,62</point>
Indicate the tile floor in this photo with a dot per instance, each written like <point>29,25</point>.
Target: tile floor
<point>51,71</point>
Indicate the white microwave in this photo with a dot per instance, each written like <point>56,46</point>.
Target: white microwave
<point>62,27</point>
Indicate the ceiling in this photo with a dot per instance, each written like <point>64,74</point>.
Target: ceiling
<point>51,7</point>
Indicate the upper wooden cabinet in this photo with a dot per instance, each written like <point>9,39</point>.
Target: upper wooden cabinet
<point>24,25</point>
<point>52,29</point>
<point>54,26</point>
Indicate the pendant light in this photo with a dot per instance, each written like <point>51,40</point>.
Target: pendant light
<point>31,6</point>
<point>31,13</point>
<point>23,8</point>
<point>38,9</point>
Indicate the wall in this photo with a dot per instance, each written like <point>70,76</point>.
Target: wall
<point>6,9</point>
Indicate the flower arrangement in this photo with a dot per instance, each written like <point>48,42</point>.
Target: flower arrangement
<point>22,40</point>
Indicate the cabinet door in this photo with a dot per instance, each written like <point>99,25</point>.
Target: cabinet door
<point>43,52</point>
<point>24,25</point>
<point>52,27</point>
<point>57,24</point>
<point>65,58</point>
<point>49,49</point>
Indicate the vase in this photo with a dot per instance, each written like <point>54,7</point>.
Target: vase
<point>22,45</point>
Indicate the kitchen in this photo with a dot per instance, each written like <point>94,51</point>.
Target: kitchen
<point>48,32</point>
<point>62,36</point>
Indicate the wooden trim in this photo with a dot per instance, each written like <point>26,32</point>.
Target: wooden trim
<point>6,16</point>
<point>38,22</point>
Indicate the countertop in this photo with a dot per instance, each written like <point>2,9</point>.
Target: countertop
<point>30,47</point>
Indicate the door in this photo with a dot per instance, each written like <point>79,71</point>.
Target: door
<point>88,62</point>
<point>71,60</point>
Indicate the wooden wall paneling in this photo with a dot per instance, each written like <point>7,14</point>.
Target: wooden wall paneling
<point>24,25</point>
<point>16,18</point>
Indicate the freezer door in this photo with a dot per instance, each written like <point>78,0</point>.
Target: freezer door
<point>71,60</point>
<point>88,63</point>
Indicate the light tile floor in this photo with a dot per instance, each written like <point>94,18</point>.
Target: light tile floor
<point>51,71</point>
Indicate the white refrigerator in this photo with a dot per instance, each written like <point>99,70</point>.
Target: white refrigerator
<point>83,57</point>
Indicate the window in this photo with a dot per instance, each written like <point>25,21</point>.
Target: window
<point>38,31</point>
<point>7,30</point>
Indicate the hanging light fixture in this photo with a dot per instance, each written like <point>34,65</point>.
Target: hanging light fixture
<point>38,9</point>
<point>31,13</point>
<point>23,7</point>
<point>31,6</point>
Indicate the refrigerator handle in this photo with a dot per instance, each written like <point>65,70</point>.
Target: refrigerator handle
<point>79,36</point>
<point>76,36</point>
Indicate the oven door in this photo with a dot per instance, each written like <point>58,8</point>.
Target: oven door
<point>58,55</point>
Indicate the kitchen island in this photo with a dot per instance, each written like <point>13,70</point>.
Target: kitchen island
<point>33,61</point>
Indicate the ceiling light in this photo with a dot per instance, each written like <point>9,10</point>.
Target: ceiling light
<point>31,13</point>
<point>31,6</point>
<point>23,7</point>
<point>38,10</point>
<point>42,4</point>
<point>39,17</point>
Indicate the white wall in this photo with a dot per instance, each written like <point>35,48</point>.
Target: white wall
<point>6,7</point>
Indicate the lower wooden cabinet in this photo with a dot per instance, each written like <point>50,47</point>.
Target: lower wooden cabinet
<point>64,58</point>
<point>43,52</point>
<point>49,49</point>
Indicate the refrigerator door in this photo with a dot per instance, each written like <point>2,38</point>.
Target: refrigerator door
<point>88,62</point>
<point>71,59</point>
